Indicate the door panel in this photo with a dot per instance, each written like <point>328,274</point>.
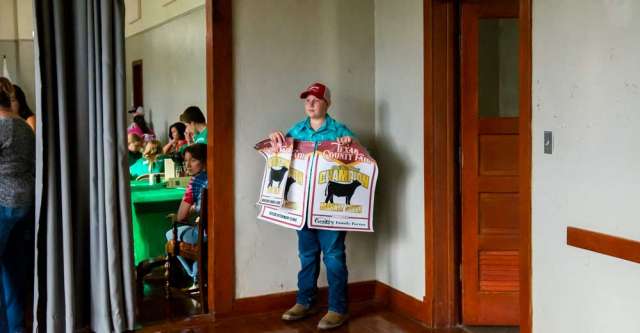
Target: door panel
<point>490,163</point>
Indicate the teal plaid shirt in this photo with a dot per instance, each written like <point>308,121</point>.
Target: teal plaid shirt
<point>330,130</point>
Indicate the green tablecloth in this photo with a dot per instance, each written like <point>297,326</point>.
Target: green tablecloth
<point>150,204</point>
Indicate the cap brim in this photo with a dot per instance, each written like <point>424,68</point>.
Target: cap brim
<point>307,93</point>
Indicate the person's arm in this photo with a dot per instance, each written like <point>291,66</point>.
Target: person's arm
<point>184,211</point>
<point>345,135</point>
<point>167,147</point>
<point>277,138</point>
<point>32,122</point>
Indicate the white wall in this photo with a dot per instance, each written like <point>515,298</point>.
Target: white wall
<point>16,42</point>
<point>586,89</point>
<point>174,71</point>
<point>141,15</point>
<point>16,19</point>
<point>399,135</point>
<point>8,30</point>
<point>280,47</point>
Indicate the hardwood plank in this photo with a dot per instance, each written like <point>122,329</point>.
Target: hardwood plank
<point>617,247</point>
<point>367,317</point>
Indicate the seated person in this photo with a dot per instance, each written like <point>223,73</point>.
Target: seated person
<point>134,144</point>
<point>195,157</point>
<point>140,128</point>
<point>196,124</point>
<point>177,138</point>
<point>22,109</point>
<point>151,162</point>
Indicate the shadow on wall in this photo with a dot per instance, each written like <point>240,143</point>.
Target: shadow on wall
<point>357,110</point>
<point>389,192</point>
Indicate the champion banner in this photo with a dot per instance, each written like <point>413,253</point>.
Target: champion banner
<point>276,172</point>
<point>292,213</point>
<point>343,188</point>
<point>330,186</point>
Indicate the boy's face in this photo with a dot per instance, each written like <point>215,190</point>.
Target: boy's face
<point>315,108</point>
<point>192,165</point>
<point>190,127</point>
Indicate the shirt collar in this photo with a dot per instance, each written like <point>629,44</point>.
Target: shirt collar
<point>328,123</point>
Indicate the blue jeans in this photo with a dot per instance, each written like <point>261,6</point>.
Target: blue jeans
<point>331,243</point>
<point>16,248</point>
<point>187,234</point>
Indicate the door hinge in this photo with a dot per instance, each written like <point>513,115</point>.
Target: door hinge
<point>460,157</point>
<point>460,275</point>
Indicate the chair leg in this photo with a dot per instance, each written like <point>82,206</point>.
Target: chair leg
<point>202,285</point>
<point>139,282</point>
<point>167,286</point>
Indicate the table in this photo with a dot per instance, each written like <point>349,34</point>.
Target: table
<point>150,204</point>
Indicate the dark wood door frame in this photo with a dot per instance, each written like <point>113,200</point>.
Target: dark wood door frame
<point>220,152</point>
<point>137,79</point>
<point>441,180</point>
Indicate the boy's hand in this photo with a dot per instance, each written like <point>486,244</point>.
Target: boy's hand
<point>277,139</point>
<point>345,140</point>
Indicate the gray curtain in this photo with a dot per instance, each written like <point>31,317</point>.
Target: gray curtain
<point>84,259</point>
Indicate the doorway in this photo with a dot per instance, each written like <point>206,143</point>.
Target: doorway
<point>489,163</point>
<point>477,165</point>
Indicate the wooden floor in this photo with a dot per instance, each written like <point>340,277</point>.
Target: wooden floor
<point>365,318</point>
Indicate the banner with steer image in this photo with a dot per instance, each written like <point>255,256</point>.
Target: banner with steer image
<point>276,171</point>
<point>343,188</point>
<point>294,210</point>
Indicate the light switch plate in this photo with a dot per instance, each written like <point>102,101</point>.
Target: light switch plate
<point>548,142</point>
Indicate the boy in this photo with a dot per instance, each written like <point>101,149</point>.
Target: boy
<point>196,124</point>
<point>319,126</point>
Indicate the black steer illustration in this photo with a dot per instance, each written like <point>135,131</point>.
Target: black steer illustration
<point>340,190</point>
<point>287,186</point>
<point>276,176</point>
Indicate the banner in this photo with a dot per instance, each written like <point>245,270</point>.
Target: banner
<point>328,186</point>
<point>343,188</point>
<point>276,172</point>
<point>294,210</point>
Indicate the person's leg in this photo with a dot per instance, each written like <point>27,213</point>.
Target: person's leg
<point>13,266</point>
<point>8,218</point>
<point>309,254</point>
<point>4,322</point>
<point>187,234</point>
<point>333,255</point>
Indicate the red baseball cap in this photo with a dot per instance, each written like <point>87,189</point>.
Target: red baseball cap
<point>318,90</point>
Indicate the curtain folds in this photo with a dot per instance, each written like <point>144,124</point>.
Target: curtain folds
<point>84,261</point>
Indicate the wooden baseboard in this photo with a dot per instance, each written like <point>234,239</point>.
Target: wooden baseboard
<point>358,292</point>
<point>606,244</point>
<point>401,303</point>
<point>395,300</point>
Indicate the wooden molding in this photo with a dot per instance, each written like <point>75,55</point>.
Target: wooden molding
<point>365,291</point>
<point>617,247</point>
<point>525,22</point>
<point>358,292</point>
<point>401,303</point>
<point>440,167</point>
<point>220,152</point>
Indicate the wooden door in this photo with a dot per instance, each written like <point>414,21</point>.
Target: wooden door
<point>490,162</point>
<point>138,92</point>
